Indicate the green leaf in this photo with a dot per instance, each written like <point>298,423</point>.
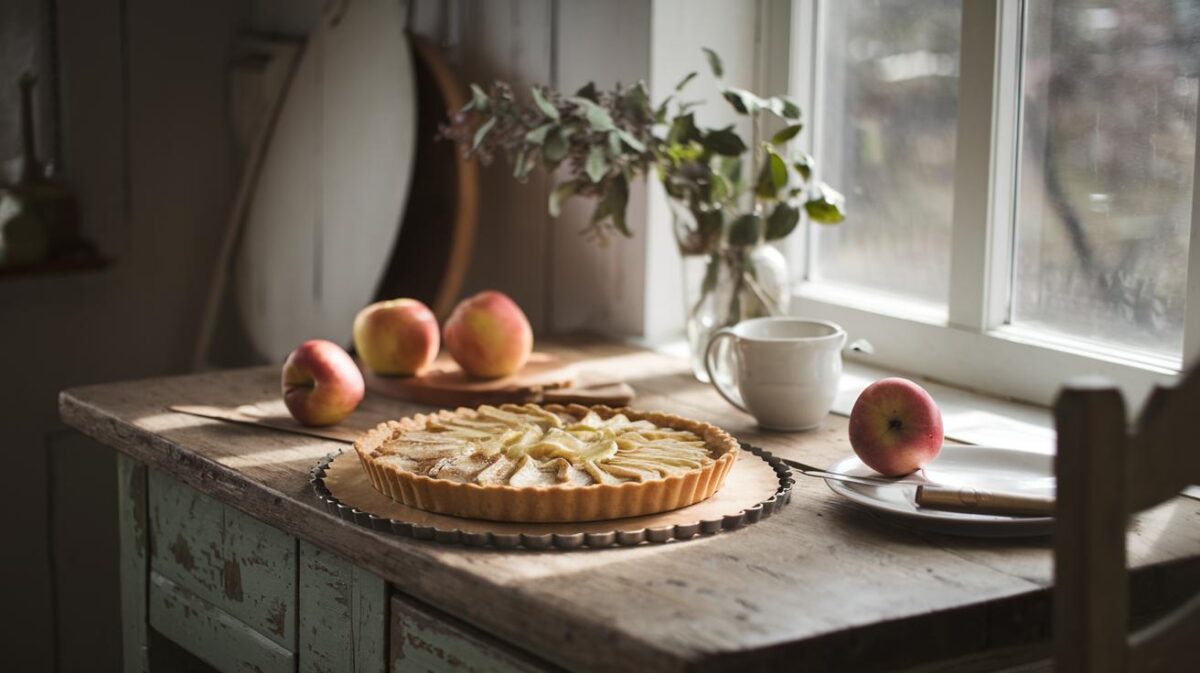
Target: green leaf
<point>614,143</point>
<point>731,168</point>
<point>522,164</point>
<point>544,105</point>
<point>633,143</point>
<point>589,92</point>
<point>782,221</point>
<point>683,130</point>
<point>725,142</point>
<point>635,102</point>
<point>742,101</point>
<point>714,62</point>
<point>596,165</point>
<point>786,134</point>
<point>538,135</point>
<point>684,82</point>
<point>616,197</point>
<point>597,117</point>
<point>560,194</point>
<point>555,149</point>
<point>481,133</point>
<point>804,165</point>
<point>660,112</point>
<point>719,189</point>
<point>772,177</point>
<point>783,107</point>
<point>746,230</point>
<point>826,205</point>
<point>480,101</point>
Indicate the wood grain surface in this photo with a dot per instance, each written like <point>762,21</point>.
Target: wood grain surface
<point>822,583</point>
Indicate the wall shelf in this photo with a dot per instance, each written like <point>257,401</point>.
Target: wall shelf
<point>56,267</point>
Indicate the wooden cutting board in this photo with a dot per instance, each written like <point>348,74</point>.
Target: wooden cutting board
<point>544,379</point>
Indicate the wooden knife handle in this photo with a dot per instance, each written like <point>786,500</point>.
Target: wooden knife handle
<point>977,501</point>
<point>612,394</point>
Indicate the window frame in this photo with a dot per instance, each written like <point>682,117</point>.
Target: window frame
<point>971,343</point>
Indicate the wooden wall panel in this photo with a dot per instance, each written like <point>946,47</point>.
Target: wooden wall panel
<point>510,40</point>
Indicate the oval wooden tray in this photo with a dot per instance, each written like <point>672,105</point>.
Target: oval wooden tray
<point>728,512</point>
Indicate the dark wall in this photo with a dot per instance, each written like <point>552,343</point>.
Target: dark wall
<point>147,147</point>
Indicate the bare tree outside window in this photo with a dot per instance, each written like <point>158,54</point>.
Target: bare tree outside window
<point>1109,120</point>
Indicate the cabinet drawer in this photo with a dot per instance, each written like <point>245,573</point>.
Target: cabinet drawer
<point>424,640</point>
<point>228,559</point>
<point>211,634</point>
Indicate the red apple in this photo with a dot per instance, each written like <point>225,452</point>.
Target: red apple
<point>488,335</point>
<point>895,427</point>
<point>398,337</point>
<point>321,383</point>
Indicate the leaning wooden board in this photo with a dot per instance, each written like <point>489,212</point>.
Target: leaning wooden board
<point>327,205</point>
<point>822,584</point>
<point>430,258</point>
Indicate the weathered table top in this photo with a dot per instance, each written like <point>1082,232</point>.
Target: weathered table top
<point>821,583</point>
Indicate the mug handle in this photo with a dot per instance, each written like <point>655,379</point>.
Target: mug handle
<point>731,395</point>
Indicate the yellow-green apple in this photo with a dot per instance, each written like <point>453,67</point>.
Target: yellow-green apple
<point>488,335</point>
<point>321,383</point>
<point>398,337</point>
<point>895,427</point>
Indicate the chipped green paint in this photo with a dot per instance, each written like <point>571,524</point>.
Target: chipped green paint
<point>211,634</point>
<point>343,615</point>
<point>229,559</point>
<point>132,529</point>
<point>422,641</point>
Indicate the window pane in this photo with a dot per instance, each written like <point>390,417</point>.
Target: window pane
<point>890,72</point>
<point>1109,122</point>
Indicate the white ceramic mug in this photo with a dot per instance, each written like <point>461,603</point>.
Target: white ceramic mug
<point>785,370</point>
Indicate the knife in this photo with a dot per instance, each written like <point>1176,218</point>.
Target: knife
<point>865,480</point>
<point>948,498</point>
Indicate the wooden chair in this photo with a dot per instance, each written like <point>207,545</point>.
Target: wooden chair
<point>1105,474</point>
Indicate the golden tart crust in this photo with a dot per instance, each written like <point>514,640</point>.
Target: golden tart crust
<point>559,502</point>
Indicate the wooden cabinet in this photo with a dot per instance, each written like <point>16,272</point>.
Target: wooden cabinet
<point>244,597</point>
<point>227,559</point>
<point>423,639</point>
<point>236,593</point>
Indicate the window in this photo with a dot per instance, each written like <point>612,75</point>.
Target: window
<point>1019,176</point>
<point>1104,215</point>
<point>889,105</point>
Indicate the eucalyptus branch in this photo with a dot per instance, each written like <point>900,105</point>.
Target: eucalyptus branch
<point>607,139</point>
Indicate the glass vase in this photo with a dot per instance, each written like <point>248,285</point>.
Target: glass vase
<point>726,285</point>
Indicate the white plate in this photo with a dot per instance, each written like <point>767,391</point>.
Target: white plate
<point>977,466</point>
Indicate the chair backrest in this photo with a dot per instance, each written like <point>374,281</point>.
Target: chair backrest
<point>1105,474</point>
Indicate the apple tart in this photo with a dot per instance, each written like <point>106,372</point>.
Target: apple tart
<point>546,463</point>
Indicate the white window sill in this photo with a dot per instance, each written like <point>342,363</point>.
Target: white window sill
<point>968,417</point>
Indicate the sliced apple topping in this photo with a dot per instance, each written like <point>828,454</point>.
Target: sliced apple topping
<point>528,446</point>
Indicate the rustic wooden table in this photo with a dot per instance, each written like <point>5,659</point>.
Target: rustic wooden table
<point>822,584</point>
